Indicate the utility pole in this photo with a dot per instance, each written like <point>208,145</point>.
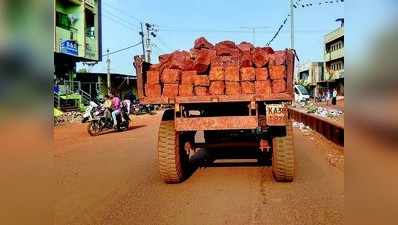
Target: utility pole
<point>150,31</point>
<point>148,44</point>
<point>253,30</point>
<point>108,76</point>
<point>291,25</point>
<point>142,41</point>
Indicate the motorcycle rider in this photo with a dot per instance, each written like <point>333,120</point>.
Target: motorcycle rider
<point>116,106</point>
<point>108,107</point>
<point>127,103</point>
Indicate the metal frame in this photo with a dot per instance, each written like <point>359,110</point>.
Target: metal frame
<point>216,123</point>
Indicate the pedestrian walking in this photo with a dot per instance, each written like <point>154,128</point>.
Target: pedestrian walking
<point>334,96</point>
<point>328,97</point>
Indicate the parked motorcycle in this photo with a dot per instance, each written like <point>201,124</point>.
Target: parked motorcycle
<point>140,109</point>
<point>100,122</point>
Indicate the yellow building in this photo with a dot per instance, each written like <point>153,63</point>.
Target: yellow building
<point>77,38</point>
<point>334,59</point>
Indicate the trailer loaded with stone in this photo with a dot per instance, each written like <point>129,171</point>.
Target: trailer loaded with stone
<point>235,93</point>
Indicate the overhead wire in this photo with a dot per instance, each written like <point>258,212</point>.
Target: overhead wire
<point>163,43</point>
<point>120,50</point>
<point>121,19</point>
<point>120,22</point>
<point>303,5</point>
<point>122,11</point>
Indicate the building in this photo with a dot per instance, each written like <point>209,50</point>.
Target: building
<point>77,33</point>
<point>334,60</point>
<point>77,38</point>
<point>309,74</point>
<point>91,86</point>
<point>95,84</point>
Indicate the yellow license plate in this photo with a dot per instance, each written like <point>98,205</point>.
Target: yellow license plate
<point>276,114</point>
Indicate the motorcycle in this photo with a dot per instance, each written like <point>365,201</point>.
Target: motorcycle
<point>100,122</point>
<point>140,109</point>
<point>89,111</point>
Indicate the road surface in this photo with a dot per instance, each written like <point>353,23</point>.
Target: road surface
<point>113,179</point>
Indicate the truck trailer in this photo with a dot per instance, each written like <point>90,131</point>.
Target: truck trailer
<point>221,96</point>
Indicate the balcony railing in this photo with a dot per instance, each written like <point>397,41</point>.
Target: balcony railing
<point>90,2</point>
<point>339,32</point>
<point>334,55</point>
<point>333,75</point>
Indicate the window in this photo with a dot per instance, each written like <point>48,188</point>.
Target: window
<point>63,21</point>
<point>90,23</point>
<point>296,91</point>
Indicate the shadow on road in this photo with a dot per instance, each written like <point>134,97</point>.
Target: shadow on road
<point>113,131</point>
<point>228,157</point>
<point>136,127</point>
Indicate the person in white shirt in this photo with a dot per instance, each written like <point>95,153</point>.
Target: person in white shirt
<point>334,96</point>
<point>327,97</point>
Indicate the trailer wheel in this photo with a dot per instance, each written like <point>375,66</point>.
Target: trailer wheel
<point>283,156</point>
<point>173,161</point>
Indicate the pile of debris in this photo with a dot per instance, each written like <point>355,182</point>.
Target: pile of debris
<point>68,117</point>
<point>323,112</point>
<point>221,69</point>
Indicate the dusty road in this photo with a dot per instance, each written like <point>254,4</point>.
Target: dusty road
<point>113,179</point>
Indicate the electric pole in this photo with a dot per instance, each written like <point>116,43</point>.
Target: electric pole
<point>108,76</point>
<point>148,44</point>
<point>253,30</point>
<point>142,41</point>
<point>291,25</point>
<point>150,31</point>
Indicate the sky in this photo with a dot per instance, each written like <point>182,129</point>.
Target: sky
<point>180,22</point>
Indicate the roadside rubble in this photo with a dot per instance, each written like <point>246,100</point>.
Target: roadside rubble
<point>301,126</point>
<point>68,117</point>
<point>322,111</point>
<point>334,157</point>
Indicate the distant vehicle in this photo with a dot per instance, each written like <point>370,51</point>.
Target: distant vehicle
<point>301,94</point>
<point>140,109</point>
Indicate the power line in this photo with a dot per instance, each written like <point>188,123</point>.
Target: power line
<point>120,50</point>
<point>278,31</point>
<point>162,42</point>
<point>297,4</point>
<point>119,22</point>
<point>159,49</point>
<point>122,11</point>
<point>204,31</point>
<point>253,30</point>
<point>121,19</point>
<point>303,5</point>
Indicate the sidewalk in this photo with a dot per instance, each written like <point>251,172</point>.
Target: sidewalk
<point>332,113</point>
<point>339,104</point>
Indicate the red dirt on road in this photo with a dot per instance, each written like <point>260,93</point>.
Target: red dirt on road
<point>113,179</point>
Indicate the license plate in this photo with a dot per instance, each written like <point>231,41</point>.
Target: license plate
<point>276,114</point>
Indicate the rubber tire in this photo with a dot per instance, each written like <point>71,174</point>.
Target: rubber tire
<point>283,156</point>
<point>89,125</point>
<point>172,159</point>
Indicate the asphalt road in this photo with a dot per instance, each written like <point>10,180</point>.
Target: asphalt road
<point>113,179</point>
